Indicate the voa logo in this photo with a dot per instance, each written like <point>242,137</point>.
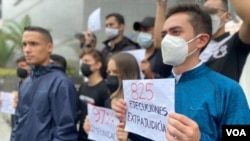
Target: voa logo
<point>236,132</point>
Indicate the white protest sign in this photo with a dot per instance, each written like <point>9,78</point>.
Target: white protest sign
<point>103,124</point>
<point>94,20</point>
<point>7,99</point>
<point>139,55</point>
<point>148,103</point>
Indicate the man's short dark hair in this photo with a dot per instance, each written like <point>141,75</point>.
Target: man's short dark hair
<point>199,19</point>
<point>41,30</point>
<point>20,59</point>
<point>119,18</point>
<point>58,59</point>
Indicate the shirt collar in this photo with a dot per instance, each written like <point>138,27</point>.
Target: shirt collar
<point>178,77</point>
<point>223,36</point>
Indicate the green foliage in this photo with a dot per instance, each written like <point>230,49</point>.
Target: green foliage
<point>5,50</point>
<point>7,72</point>
<point>70,71</point>
<point>11,38</point>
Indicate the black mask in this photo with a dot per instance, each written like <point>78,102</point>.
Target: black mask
<point>22,73</point>
<point>85,68</point>
<point>112,82</point>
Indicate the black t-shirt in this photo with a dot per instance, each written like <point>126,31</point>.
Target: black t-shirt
<point>158,67</point>
<point>124,45</point>
<point>96,95</point>
<point>231,64</point>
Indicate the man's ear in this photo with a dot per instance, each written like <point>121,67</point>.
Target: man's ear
<point>99,65</point>
<point>50,47</point>
<point>203,40</point>
<point>121,27</point>
<point>228,17</point>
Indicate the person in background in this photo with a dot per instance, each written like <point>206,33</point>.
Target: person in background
<point>152,66</point>
<point>23,68</point>
<point>23,71</point>
<point>59,60</point>
<point>201,94</point>
<point>87,39</point>
<point>95,90</point>
<point>121,66</point>
<point>116,42</point>
<point>47,106</point>
<point>229,55</point>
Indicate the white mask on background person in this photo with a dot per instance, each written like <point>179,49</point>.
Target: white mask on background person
<point>175,49</point>
<point>145,40</point>
<point>216,22</point>
<point>111,32</point>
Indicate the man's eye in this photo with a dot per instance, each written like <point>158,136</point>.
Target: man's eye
<point>33,43</point>
<point>175,32</point>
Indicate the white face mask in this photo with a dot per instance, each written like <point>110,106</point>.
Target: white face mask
<point>111,32</point>
<point>145,40</point>
<point>175,50</point>
<point>216,23</point>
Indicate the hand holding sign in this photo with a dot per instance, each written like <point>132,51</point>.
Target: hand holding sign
<point>86,126</point>
<point>122,135</point>
<point>181,127</point>
<point>120,110</point>
<point>148,104</point>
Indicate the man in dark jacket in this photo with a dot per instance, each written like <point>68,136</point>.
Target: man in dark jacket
<point>46,110</point>
<point>116,42</point>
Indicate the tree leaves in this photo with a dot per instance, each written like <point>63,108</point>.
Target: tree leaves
<point>11,38</point>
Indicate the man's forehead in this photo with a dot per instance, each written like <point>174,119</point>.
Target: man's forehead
<point>32,36</point>
<point>178,20</point>
<point>111,19</point>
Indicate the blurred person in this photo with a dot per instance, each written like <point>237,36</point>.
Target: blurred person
<point>87,39</point>
<point>59,60</point>
<point>23,71</point>
<point>47,98</point>
<point>116,42</point>
<point>152,66</point>
<point>95,90</point>
<point>121,66</point>
<point>229,55</point>
<point>201,94</point>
